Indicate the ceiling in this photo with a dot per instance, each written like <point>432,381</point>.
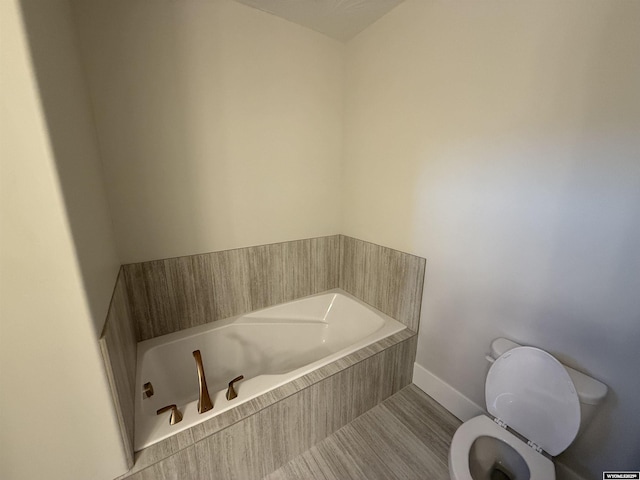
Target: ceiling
<point>339,19</point>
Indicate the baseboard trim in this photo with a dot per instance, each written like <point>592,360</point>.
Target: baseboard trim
<point>443,393</point>
<point>464,408</point>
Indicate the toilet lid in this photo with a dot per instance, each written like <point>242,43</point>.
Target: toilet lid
<point>532,393</point>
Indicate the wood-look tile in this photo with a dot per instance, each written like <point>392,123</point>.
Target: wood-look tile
<point>405,437</point>
<point>352,265</point>
<point>157,292</point>
<point>184,309</point>
<point>231,282</point>
<point>154,453</point>
<point>432,425</point>
<point>138,302</point>
<point>307,467</point>
<point>177,293</point>
<point>386,279</point>
<point>233,453</point>
<point>170,295</point>
<point>326,461</point>
<point>171,469</point>
<point>202,270</point>
<point>406,357</point>
<point>325,263</point>
<point>149,293</point>
<point>367,377</point>
<point>266,275</point>
<point>200,456</point>
<point>248,449</point>
<point>118,346</point>
<point>173,294</point>
<point>296,269</point>
<point>356,452</point>
<point>406,458</point>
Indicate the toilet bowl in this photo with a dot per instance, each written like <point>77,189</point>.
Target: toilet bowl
<point>480,446</point>
<point>535,415</point>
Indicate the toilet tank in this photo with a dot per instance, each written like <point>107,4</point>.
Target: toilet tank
<point>590,391</point>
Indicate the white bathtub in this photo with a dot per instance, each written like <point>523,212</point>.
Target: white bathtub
<point>270,347</point>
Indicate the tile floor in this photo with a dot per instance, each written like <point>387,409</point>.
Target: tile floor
<point>405,437</point>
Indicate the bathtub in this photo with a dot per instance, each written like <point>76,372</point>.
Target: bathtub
<point>270,347</point>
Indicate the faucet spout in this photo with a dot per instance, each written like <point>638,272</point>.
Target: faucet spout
<point>204,400</point>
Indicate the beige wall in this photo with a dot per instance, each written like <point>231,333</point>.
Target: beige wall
<point>501,141</point>
<point>220,126</point>
<point>56,415</point>
<point>65,102</point>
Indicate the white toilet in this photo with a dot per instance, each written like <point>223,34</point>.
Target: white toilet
<point>543,403</point>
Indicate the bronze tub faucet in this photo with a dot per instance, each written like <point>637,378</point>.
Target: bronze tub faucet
<point>204,400</point>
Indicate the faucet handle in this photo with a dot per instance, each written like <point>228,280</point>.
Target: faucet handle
<point>231,392</point>
<point>175,417</point>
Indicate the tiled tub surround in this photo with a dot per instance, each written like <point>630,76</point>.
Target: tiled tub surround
<point>173,294</point>
<point>263,434</point>
<point>386,279</point>
<point>169,295</point>
<point>118,346</point>
<point>177,293</point>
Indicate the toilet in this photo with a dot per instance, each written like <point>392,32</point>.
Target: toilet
<point>537,405</point>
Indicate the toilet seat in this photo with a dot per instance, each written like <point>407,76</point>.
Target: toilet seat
<point>540,467</point>
<point>530,391</point>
